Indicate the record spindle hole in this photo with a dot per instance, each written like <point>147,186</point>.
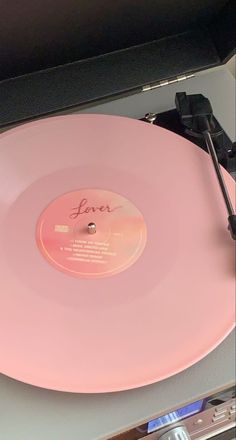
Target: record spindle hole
<point>92,228</point>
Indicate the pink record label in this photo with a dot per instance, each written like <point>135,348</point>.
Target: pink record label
<point>91,233</point>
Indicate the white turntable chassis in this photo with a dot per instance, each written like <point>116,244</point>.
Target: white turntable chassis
<point>28,413</point>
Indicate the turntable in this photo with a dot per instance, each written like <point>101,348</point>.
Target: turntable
<point>118,245</point>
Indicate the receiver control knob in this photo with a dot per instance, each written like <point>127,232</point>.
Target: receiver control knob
<point>178,433</point>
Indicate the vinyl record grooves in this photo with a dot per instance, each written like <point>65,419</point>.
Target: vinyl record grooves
<point>116,266</point>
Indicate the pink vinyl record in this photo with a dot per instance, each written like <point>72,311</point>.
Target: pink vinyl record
<point>116,266</point>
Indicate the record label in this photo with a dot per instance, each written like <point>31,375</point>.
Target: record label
<point>91,233</point>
